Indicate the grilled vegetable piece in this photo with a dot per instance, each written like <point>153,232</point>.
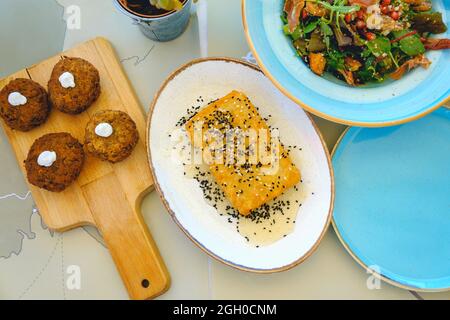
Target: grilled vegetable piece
<point>301,46</point>
<point>348,76</point>
<point>362,3</point>
<point>316,43</point>
<point>428,22</point>
<point>424,6</point>
<point>352,64</point>
<point>420,60</point>
<point>317,62</point>
<point>315,9</point>
<point>436,44</point>
<point>293,8</point>
<point>414,2</point>
<point>342,39</point>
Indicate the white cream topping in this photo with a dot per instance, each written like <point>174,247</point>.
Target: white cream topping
<point>104,130</point>
<point>46,159</point>
<point>17,99</point>
<point>67,80</point>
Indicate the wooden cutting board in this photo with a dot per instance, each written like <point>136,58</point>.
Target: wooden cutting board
<point>105,195</point>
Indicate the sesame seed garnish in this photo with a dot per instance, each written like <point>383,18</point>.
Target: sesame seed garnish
<point>246,175</point>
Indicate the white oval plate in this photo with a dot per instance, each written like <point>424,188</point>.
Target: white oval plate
<point>211,79</point>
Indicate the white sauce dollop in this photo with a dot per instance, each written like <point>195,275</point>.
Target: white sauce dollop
<point>46,159</point>
<point>17,99</point>
<point>67,80</point>
<point>104,130</point>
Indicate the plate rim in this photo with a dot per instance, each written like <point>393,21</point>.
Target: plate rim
<point>313,110</point>
<point>356,258</point>
<point>172,213</point>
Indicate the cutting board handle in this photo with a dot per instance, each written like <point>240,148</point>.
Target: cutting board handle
<point>125,233</point>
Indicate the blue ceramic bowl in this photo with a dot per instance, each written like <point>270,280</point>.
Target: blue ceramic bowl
<point>161,28</point>
<point>393,102</point>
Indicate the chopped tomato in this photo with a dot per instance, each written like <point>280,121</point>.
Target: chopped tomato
<point>348,18</point>
<point>370,36</point>
<point>395,15</point>
<point>304,14</point>
<point>385,9</point>
<point>360,14</point>
<point>360,24</point>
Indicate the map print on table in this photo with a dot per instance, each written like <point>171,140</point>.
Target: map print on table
<point>17,206</point>
<point>17,209</point>
<point>15,223</point>
<point>34,262</point>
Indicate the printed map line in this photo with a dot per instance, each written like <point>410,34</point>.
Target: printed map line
<point>38,276</point>
<point>21,229</point>
<point>139,60</point>
<point>15,195</point>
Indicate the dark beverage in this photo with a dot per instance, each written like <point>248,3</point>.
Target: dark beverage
<point>143,8</point>
<point>156,24</point>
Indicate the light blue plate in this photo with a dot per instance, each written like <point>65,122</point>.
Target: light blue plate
<point>389,103</point>
<point>392,207</point>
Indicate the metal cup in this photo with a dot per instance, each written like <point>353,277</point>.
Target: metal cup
<point>161,28</point>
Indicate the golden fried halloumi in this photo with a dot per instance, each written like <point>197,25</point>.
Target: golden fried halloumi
<point>246,185</point>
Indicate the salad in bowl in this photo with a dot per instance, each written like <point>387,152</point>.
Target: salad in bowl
<point>326,38</point>
<point>363,41</point>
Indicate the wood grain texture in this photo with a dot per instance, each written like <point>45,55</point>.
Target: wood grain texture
<point>106,196</point>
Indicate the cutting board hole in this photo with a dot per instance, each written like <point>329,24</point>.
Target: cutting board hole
<point>145,283</point>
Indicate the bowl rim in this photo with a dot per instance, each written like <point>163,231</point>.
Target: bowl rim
<point>353,254</point>
<point>133,14</point>
<point>373,124</point>
<point>172,213</point>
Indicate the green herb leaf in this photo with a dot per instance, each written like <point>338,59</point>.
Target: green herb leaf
<point>379,46</point>
<point>326,29</point>
<point>366,53</point>
<point>339,8</point>
<point>410,45</point>
<point>297,34</point>
<point>310,27</point>
<point>327,32</point>
<point>335,60</point>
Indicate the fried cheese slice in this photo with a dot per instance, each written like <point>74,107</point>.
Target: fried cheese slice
<point>247,185</point>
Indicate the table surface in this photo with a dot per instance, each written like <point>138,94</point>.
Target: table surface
<point>36,263</point>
